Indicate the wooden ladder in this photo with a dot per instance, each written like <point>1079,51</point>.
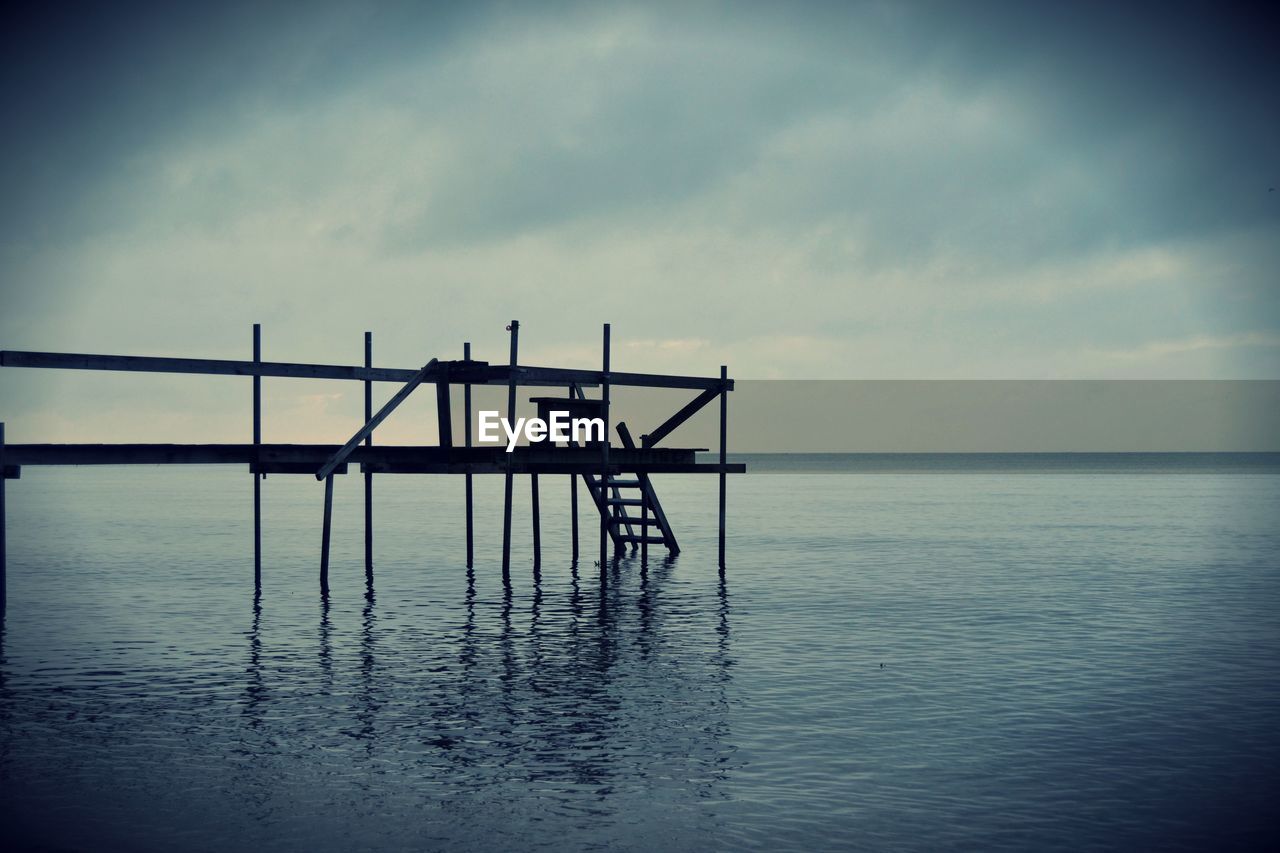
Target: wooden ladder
<point>628,501</point>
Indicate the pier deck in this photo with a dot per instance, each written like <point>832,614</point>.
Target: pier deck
<point>616,477</point>
<point>378,459</point>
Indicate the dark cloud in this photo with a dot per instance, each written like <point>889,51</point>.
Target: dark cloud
<point>933,188</point>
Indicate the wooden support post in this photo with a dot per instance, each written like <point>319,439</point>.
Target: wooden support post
<point>724,428</point>
<point>604,460</point>
<point>644,530</point>
<point>368,475</point>
<point>444,410</point>
<point>257,448</point>
<point>511,414</point>
<point>324,535</point>
<point>466,431</point>
<point>573,513</point>
<point>3,571</point>
<point>537,522</point>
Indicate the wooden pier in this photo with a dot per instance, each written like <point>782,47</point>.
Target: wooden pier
<point>617,477</point>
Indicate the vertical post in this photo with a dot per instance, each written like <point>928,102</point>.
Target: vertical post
<point>257,444</point>
<point>724,428</point>
<point>368,475</point>
<point>537,522</point>
<point>644,529</point>
<point>573,513</point>
<point>466,430</point>
<point>324,536</point>
<point>3,572</point>
<point>511,413</point>
<point>604,459</point>
<point>444,411</point>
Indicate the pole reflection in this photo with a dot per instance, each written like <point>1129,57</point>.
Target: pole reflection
<point>530,683</point>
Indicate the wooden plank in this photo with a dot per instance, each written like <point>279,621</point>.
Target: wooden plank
<point>544,468</point>
<point>639,522</point>
<point>476,372</point>
<point>657,540</point>
<point>207,366</point>
<point>670,424</point>
<point>563,460</point>
<point>364,431</point>
<point>562,377</point>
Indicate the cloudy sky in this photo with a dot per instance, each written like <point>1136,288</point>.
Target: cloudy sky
<point>808,191</point>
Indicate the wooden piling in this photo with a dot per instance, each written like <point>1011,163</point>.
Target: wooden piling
<point>537,522</point>
<point>257,448</point>
<point>724,429</point>
<point>573,513</point>
<point>4,580</point>
<point>644,530</point>
<point>368,475</point>
<point>506,494</point>
<point>466,432</point>
<point>324,535</point>
<point>604,460</point>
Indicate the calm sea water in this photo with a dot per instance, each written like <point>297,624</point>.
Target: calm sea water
<point>911,653</point>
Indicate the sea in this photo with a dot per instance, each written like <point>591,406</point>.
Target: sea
<point>1005,652</point>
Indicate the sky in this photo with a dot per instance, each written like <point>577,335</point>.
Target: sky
<point>808,191</point>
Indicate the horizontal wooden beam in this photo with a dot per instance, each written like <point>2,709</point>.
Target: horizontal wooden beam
<point>527,467</point>
<point>214,367</point>
<point>316,454</point>
<point>561,376</point>
<point>460,372</point>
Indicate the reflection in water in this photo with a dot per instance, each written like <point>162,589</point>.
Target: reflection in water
<point>529,687</point>
<point>366,695</point>
<point>1069,664</point>
<point>579,705</point>
<point>254,689</point>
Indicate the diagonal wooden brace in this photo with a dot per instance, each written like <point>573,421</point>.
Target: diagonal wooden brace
<point>403,394</point>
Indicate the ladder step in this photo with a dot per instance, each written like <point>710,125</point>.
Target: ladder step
<point>639,522</point>
<point>652,540</point>
<point>625,484</point>
<point>625,502</point>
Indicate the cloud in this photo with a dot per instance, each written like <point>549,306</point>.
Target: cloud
<point>845,191</point>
